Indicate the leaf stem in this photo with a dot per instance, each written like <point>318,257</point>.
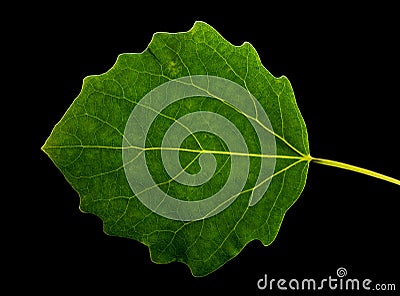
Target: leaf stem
<point>354,168</point>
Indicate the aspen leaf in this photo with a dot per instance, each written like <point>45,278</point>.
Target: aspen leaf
<point>191,147</point>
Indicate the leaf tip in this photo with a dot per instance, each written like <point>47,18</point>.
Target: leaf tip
<point>43,148</point>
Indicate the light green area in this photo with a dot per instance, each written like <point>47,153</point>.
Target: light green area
<point>224,92</point>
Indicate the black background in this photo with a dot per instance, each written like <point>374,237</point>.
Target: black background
<point>343,65</point>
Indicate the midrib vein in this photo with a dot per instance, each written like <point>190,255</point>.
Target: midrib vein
<point>198,151</point>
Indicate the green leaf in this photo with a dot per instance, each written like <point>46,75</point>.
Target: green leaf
<point>191,147</point>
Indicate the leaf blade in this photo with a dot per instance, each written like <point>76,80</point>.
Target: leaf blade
<point>86,146</point>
